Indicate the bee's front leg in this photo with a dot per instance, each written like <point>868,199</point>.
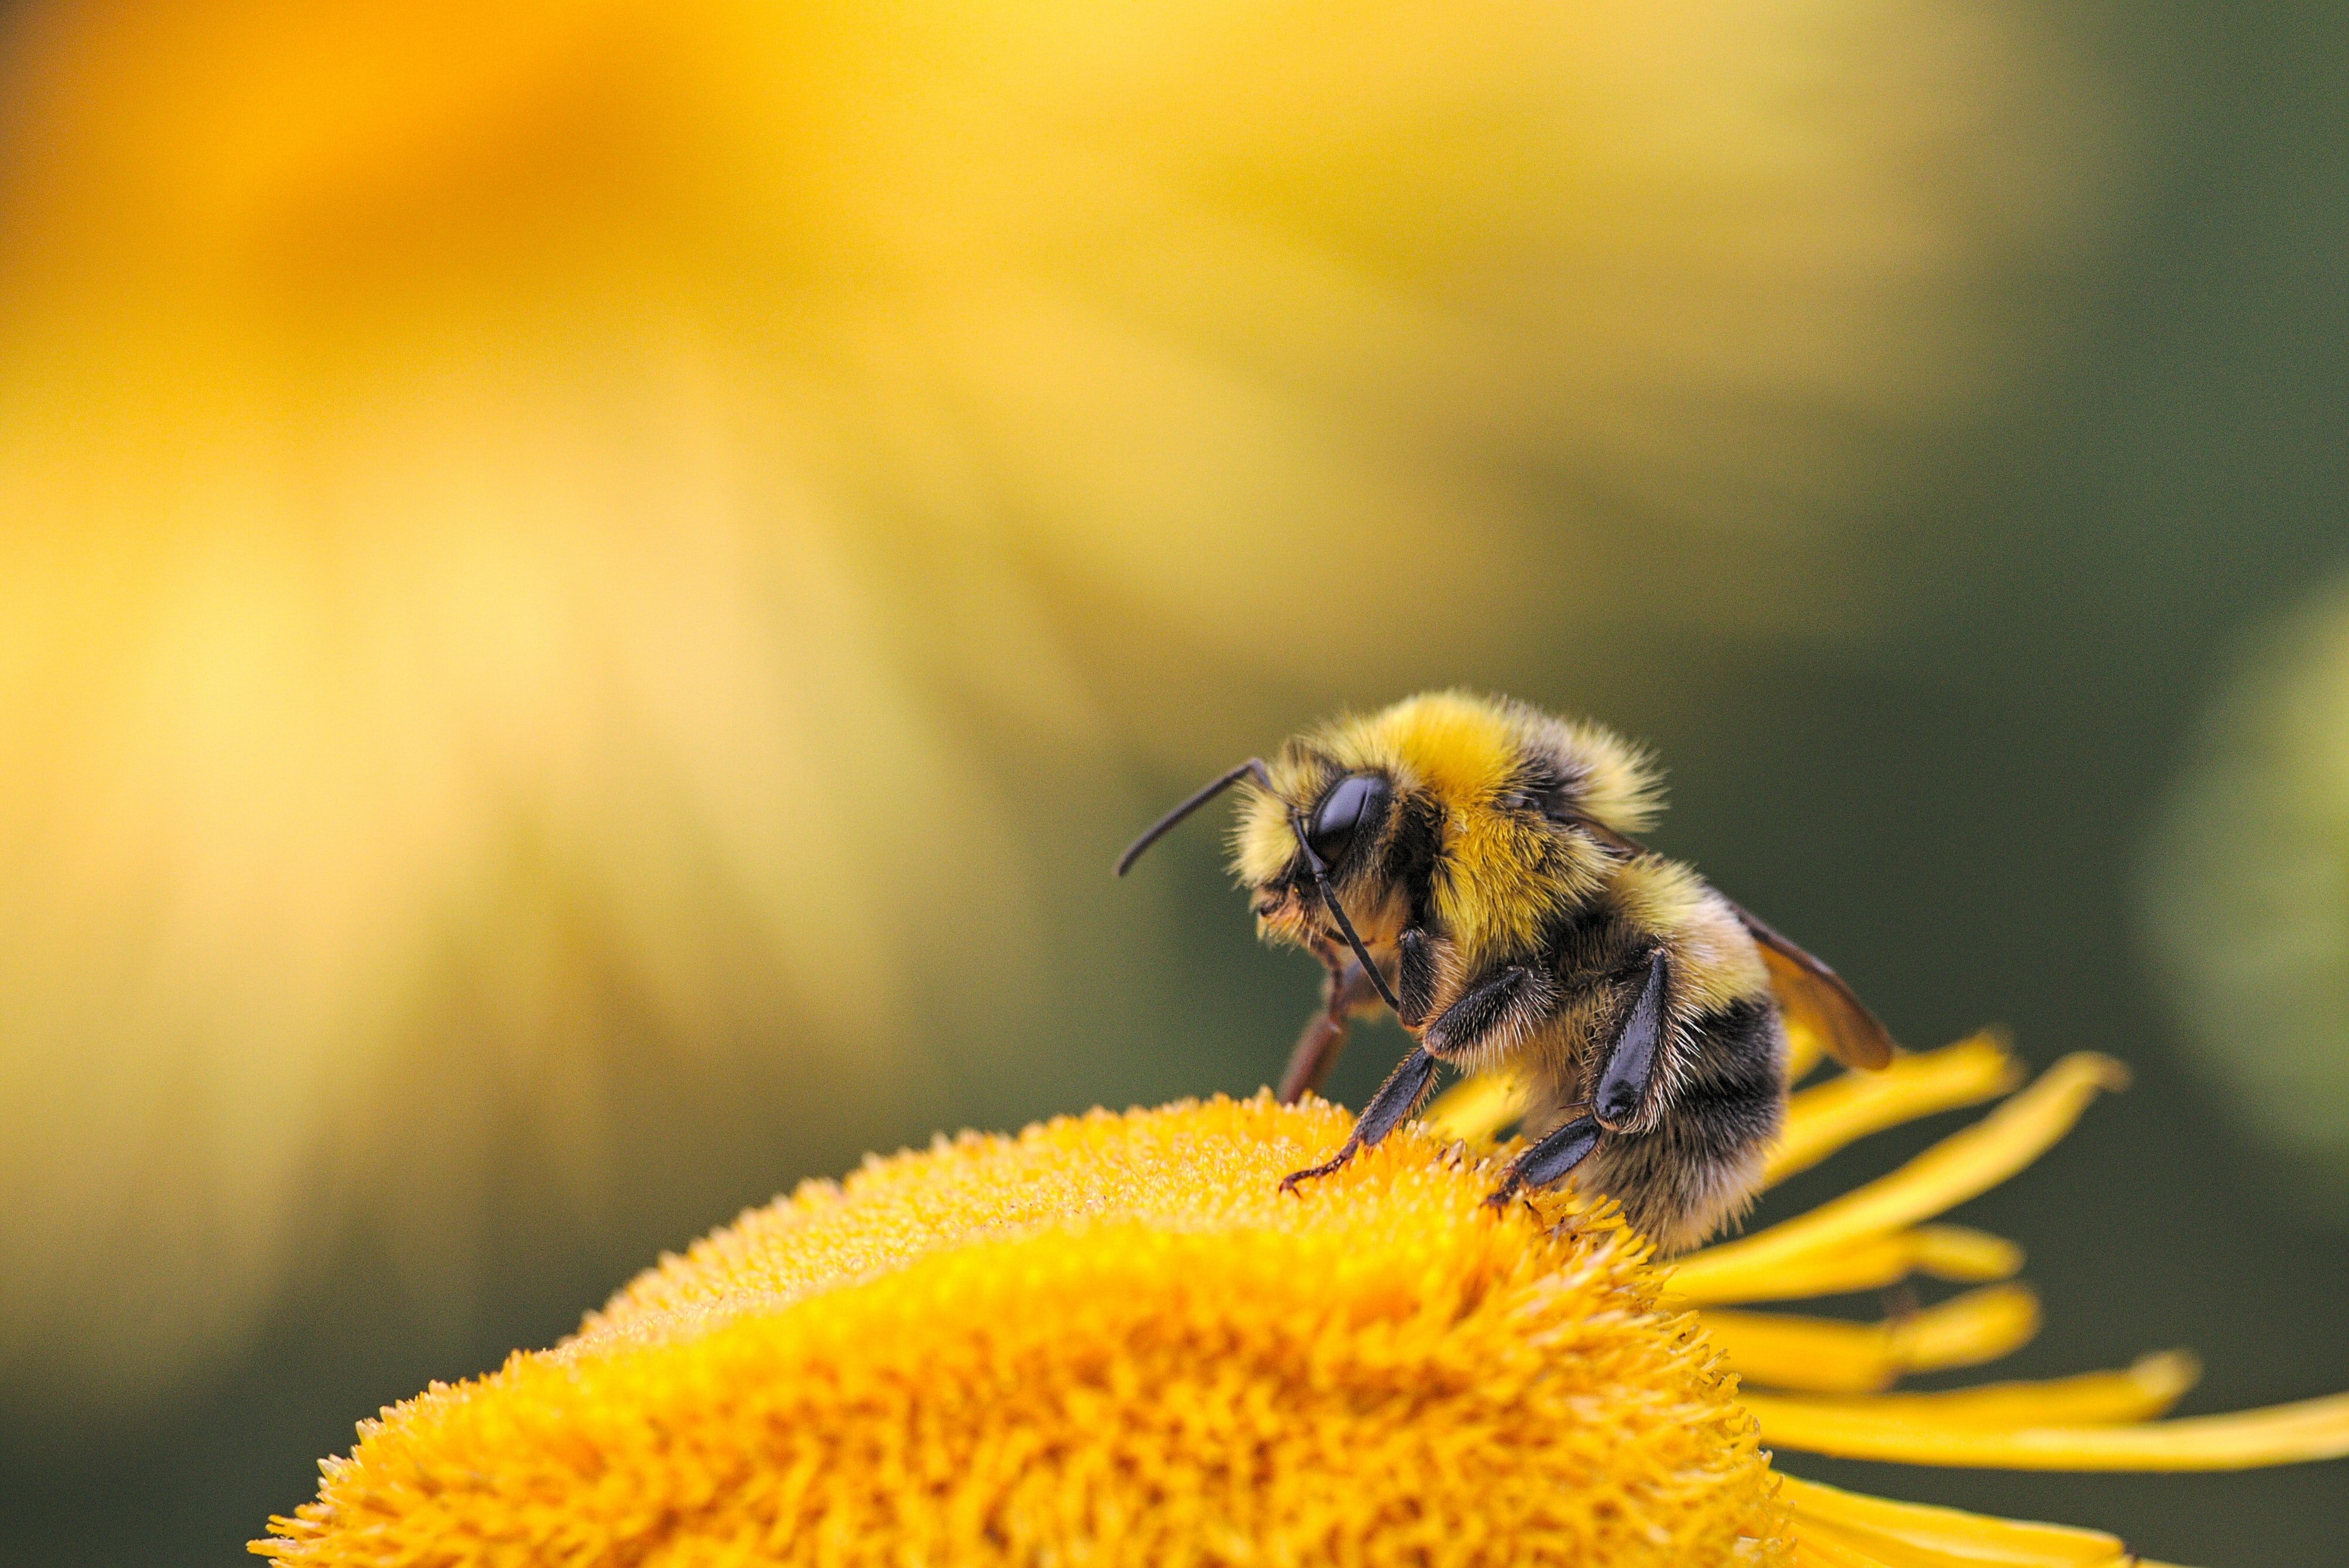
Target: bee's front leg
<point>1347,994</point>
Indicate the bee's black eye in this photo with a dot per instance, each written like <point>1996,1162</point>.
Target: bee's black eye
<point>1351,799</point>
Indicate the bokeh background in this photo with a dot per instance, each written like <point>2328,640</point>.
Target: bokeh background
<point>587,591</point>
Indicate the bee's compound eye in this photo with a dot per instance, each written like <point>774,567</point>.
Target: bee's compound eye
<point>1351,799</point>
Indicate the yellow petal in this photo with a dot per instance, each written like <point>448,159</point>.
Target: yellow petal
<point>1842,1110</point>
<point>1805,1050</point>
<point>2144,1390</point>
<point>1823,1355</point>
<point>2277,1435</point>
<point>1944,1252</point>
<point>1817,1551</point>
<point>1960,1167</point>
<point>1902,1534</point>
<point>1476,1108</point>
<point>1866,1546</point>
<point>1967,1330</point>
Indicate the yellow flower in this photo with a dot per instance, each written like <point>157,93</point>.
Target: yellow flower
<point>1111,1335</point>
<point>1112,1339</point>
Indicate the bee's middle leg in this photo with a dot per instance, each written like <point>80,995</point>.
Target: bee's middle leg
<point>1624,1084</point>
<point>1503,1005</point>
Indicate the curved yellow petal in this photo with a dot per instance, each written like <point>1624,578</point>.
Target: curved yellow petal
<point>1966,1330</point>
<point>1818,1550</point>
<point>1904,1533</point>
<point>1865,1546</point>
<point>1961,1252</point>
<point>1846,1109</point>
<point>2277,1435</point>
<point>1944,1252</point>
<point>1960,1167</point>
<point>1825,1356</point>
<point>1804,1051</point>
<point>2144,1390</point>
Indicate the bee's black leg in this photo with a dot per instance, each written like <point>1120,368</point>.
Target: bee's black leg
<point>1548,1161</point>
<point>1631,1057</point>
<point>1509,999</point>
<point>1396,1099</point>
<point>1347,993</point>
<point>1623,1091</point>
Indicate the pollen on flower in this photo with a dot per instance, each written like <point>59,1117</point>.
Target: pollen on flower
<point>1110,1337</point>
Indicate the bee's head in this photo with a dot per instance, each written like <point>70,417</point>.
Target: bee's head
<point>1314,846</point>
<point>1315,823</point>
<point>1449,811</point>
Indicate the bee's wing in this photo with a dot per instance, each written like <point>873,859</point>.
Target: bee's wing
<point>1810,995</point>
<point>1813,996</point>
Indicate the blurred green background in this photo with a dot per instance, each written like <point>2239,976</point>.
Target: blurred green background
<point>589,594</point>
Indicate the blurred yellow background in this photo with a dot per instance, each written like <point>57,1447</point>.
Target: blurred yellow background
<point>536,524</point>
<point>586,589</point>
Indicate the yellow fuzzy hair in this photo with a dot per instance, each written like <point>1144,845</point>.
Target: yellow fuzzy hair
<point>1506,875</point>
<point>1717,961</point>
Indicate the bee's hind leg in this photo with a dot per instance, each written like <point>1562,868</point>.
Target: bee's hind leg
<point>1548,1161</point>
<point>1396,1099</point>
<point>1623,1088</point>
<point>1639,1038</point>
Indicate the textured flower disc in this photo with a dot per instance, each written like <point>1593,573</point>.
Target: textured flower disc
<point>1110,1339</point>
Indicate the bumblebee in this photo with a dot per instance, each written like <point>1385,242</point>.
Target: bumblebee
<point>1470,864</point>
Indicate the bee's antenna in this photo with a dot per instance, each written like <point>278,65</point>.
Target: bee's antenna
<point>1159,829</point>
<point>1321,880</point>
